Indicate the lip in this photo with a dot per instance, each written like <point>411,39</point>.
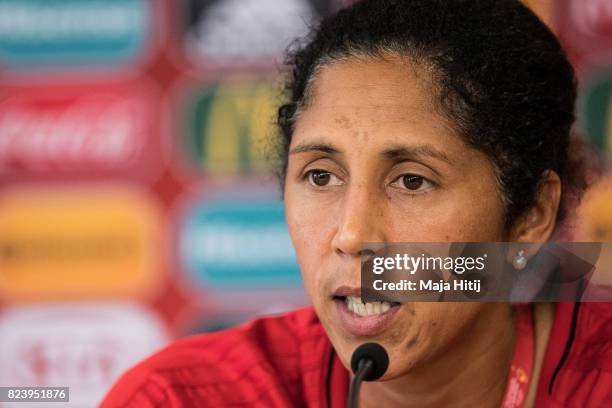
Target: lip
<point>345,291</point>
<point>360,326</point>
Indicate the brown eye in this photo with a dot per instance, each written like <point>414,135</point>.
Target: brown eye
<point>319,177</point>
<point>412,182</point>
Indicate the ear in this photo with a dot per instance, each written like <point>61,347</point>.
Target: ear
<point>538,224</point>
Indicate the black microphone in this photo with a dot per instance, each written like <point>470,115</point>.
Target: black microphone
<point>369,362</point>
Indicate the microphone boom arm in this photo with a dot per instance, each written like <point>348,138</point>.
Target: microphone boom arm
<point>365,367</point>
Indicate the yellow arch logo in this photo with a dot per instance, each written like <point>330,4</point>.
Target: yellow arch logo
<point>234,127</point>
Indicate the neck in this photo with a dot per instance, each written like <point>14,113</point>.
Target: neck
<point>472,372</point>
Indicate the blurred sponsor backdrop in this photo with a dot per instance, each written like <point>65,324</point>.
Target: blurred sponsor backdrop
<point>137,199</point>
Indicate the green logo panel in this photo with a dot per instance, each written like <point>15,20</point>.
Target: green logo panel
<point>233,128</point>
<point>597,115</point>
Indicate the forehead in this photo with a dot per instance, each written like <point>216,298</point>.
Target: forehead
<point>386,96</point>
<point>384,78</point>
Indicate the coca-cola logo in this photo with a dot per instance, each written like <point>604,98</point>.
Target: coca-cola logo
<point>64,359</point>
<point>77,133</point>
<point>84,346</point>
<point>592,17</point>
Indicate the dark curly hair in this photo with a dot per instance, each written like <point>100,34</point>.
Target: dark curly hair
<point>501,77</point>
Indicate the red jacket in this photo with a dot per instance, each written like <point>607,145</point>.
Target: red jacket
<point>288,361</point>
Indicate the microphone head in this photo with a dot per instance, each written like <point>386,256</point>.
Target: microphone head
<point>374,352</point>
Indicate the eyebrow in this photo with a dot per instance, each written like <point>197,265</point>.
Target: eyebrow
<point>411,152</point>
<point>314,147</point>
<point>415,151</point>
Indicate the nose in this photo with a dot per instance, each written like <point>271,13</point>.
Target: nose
<point>361,221</point>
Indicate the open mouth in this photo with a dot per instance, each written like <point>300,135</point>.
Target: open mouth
<point>356,305</point>
<point>360,318</point>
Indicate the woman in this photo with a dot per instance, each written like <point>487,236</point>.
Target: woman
<point>411,121</point>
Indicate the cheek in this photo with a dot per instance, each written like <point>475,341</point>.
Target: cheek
<point>311,230</point>
<point>450,216</point>
<point>442,321</point>
<point>426,330</point>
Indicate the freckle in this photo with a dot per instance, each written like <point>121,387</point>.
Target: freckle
<point>343,121</point>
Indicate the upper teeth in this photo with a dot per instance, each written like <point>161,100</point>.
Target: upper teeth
<point>357,306</point>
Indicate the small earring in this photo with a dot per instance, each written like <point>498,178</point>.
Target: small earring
<point>520,261</point>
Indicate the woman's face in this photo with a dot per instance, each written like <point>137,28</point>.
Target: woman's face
<point>371,160</point>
